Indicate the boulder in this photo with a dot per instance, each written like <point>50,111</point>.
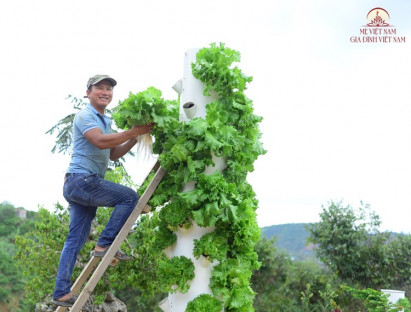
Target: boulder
<point>110,304</point>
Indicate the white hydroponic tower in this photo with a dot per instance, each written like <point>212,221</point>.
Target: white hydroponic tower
<point>192,104</point>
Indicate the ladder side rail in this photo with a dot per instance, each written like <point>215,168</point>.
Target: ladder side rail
<point>88,269</point>
<point>156,166</point>
<point>106,260</point>
<point>93,262</point>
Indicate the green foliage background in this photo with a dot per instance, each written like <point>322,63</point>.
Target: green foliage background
<point>349,242</point>
<point>281,284</point>
<point>12,280</point>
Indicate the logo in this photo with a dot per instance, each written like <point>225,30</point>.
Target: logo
<point>378,29</point>
<point>378,17</point>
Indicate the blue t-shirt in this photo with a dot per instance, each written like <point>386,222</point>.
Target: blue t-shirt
<point>86,157</point>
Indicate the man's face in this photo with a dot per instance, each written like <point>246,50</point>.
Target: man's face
<point>101,94</point>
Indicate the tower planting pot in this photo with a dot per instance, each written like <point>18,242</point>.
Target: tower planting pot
<point>192,104</point>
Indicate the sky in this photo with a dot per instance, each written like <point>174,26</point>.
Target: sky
<point>336,113</point>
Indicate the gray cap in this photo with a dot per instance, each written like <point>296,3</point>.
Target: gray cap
<point>97,78</point>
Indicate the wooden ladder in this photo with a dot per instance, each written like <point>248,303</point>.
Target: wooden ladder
<point>108,259</point>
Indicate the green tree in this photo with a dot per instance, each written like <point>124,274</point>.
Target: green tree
<point>8,219</point>
<point>64,127</point>
<point>376,301</point>
<point>350,244</point>
<point>270,279</point>
<point>39,253</point>
<point>290,286</point>
<point>11,279</point>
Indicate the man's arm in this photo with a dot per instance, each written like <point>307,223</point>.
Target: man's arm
<point>114,141</point>
<point>121,150</point>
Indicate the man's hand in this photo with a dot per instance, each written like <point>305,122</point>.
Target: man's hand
<point>139,130</point>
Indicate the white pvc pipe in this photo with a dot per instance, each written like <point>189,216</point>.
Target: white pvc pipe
<point>202,267</point>
<point>219,165</point>
<point>164,305</point>
<point>192,91</point>
<point>192,104</point>
<point>178,86</point>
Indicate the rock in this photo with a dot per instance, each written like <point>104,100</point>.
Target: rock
<point>46,305</point>
<point>111,304</point>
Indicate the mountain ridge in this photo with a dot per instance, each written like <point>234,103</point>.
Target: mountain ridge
<point>291,237</point>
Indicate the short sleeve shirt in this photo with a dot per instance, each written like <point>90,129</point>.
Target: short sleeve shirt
<point>86,157</point>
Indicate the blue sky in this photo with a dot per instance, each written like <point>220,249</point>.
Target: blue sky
<point>336,114</point>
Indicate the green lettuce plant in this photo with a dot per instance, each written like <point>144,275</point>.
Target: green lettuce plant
<point>223,200</point>
<point>204,302</point>
<point>213,245</point>
<point>175,273</point>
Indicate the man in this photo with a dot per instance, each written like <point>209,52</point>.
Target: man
<point>85,188</point>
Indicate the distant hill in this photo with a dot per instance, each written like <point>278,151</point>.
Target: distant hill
<point>291,237</point>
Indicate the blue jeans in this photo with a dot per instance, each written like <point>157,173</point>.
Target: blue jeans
<point>84,193</point>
